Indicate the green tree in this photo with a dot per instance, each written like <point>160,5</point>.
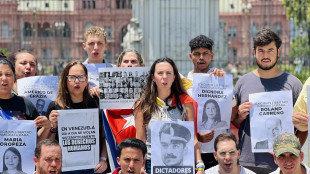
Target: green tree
<point>5,51</point>
<point>299,47</point>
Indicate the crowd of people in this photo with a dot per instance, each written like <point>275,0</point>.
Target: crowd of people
<point>167,96</point>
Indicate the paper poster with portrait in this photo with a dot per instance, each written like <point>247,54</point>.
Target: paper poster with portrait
<point>172,147</point>
<point>121,87</point>
<point>270,115</point>
<point>40,90</point>
<point>214,96</point>
<point>93,75</point>
<point>17,143</point>
<point>79,138</point>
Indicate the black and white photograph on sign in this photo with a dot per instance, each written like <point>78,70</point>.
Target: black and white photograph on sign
<point>172,145</point>
<point>270,116</point>
<point>40,90</point>
<point>17,142</point>
<point>93,75</point>
<point>121,87</point>
<point>79,138</point>
<point>214,97</point>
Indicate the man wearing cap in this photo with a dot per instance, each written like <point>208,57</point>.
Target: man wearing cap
<point>173,139</point>
<point>288,155</point>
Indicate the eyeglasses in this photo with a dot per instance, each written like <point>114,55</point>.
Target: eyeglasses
<point>81,78</point>
<point>232,153</point>
<point>204,55</point>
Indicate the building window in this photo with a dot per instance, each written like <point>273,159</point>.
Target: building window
<point>67,30</point>
<point>118,4</point>
<point>235,54</point>
<point>88,25</point>
<point>232,32</point>
<point>94,4</point>
<point>84,4</point>
<point>47,5</point>
<point>27,29</point>
<point>130,4</point>
<point>278,28</point>
<point>109,32</point>
<point>46,30</point>
<point>5,31</point>
<point>66,5</point>
<point>123,3</point>
<point>44,53</point>
<point>89,5</point>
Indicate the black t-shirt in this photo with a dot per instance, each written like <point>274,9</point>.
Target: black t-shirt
<point>22,108</point>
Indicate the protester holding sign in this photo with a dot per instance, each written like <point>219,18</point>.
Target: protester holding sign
<point>267,77</point>
<point>20,108</point>
<point>165,99</point>
<point>73,93</point>
<point>25,64</point>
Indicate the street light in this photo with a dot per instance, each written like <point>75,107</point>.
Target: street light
<point>59,28</point>
<point>35,8</point>
<point>246,9</point>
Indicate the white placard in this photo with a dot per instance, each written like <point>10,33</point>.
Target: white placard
<point>172,147</point>
<point>17,139</point>
<point>214,97</point>
<point>79,138</point>
<point>121,87</point>
<point>270,115</point>
<point>40,90</point>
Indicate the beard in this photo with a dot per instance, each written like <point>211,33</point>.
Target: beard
<point>267,67</point>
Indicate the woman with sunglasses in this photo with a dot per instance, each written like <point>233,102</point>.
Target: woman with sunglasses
<point>73,93</point>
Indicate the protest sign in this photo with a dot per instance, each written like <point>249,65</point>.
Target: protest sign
<point>79,138</point>
<point>121,87</point>
<point>270,115</point>
<point>214,97</point>
<point>40,90</point>
<point>17,144</point>
<point>93,75</point>
<point>209,146</point>
<point>172,147</point>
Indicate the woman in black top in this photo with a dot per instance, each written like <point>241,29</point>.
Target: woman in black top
<point>73,94</point>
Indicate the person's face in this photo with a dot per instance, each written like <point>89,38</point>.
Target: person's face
<point>49,161</point>
<point>288,162</point>
<point>6,80</point>
<point>40,106</point>
<point>211,110</point>
<point>163,76</point>
<point>266,56</point>
<point>131,160</point>
<point>201,58</point>
<point>11,160</point>
<point>25,65</point>
<point>273,128</point>
<point>172,151</point>
<point>76,87</point>
<point>130,90</point>
<point>130,59</point>
<point>227,155</point>
<point>95,47</point>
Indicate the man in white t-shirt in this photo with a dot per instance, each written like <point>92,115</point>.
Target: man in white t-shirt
<point>288,155</point>
<point>227,154</point>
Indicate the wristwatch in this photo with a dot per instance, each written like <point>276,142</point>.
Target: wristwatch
<point>53,130</point>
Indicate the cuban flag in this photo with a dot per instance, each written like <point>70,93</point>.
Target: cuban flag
<point>119,124</point>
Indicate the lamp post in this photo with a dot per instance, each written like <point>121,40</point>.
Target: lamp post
<point>35,8</point>
<point>60,27</point>
<point>246,9</point>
